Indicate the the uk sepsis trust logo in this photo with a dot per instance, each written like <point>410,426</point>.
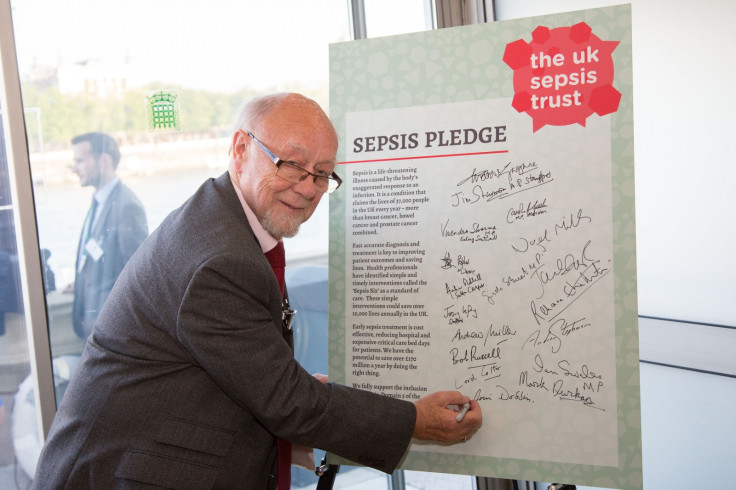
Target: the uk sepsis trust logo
<point>563,75</point>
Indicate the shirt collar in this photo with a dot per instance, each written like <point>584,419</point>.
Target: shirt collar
<point>104,192</point>
<point>264,238</point>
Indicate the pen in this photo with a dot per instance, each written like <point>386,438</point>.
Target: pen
<point>461,414</point>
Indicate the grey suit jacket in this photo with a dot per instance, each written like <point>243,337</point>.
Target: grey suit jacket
<point>186,380</point>
<point>119,231</point>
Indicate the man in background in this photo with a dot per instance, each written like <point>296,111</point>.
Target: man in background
<point>113,230</point>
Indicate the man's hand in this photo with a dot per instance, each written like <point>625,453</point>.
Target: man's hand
<point>303,456</point>
<point>436,422</point>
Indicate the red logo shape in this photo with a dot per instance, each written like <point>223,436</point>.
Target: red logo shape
<point>563,75</point>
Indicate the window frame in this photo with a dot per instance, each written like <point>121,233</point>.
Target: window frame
<point>29,256</point>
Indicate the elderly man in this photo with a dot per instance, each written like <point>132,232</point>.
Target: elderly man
<point>113,230</point>
<point>188,380</point>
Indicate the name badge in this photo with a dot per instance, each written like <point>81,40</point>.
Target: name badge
<point>93,249</point>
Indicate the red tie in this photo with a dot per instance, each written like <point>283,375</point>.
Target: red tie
<point>276,257</point>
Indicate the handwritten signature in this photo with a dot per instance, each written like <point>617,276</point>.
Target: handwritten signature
<point>522,212</point>
<point>453,316</point>
<point>560,391</point>
<point>478,192</point>
<point>474,354</point>
<point>463,263</point>
<point>588,269</point>
<point>503,331</point>
<point>539,239</point>
<point>508,170</point>
<point>470,284</point>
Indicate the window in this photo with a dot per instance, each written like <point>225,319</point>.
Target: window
<point>163,81</point>
<point>386,17</point>
<point>19,436</point>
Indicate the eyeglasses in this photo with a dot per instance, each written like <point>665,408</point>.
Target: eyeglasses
<point>294,173</point>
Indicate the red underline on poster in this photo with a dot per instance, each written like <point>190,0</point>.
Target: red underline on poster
<point>424,156</point>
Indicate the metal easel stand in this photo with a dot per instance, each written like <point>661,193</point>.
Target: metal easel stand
<point>326,473</point>
<point>397,480</point>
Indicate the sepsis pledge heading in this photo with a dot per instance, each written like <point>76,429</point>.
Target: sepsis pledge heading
<point>452,137</point>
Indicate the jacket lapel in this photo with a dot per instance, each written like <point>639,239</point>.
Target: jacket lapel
<point>98,230</point>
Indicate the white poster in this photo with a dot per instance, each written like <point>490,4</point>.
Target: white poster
<point>484,239</point>
<point>480,262</point>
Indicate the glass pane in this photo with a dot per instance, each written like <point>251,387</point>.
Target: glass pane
<point>19,436</point>
<point>389,17</point>
<point>163,81</point>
